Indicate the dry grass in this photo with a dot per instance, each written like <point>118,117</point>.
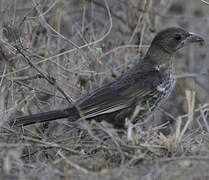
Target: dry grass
<point>53,52</point>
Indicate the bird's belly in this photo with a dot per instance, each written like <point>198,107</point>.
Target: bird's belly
<point>154,99</point>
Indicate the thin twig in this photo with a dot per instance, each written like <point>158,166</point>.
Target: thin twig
<point>48,144</point>
<point>192,75</point>
<point>204,158</point>
<point>5,67</point>
<point>190,95</point>
<point>203,117</point>
<point>205,2</point>
<point>51,80</point>
<point>73,164</point>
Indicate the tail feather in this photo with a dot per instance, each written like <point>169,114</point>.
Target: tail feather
<point>39,118</point>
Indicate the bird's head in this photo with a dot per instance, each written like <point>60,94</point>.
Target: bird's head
<point>174,38</point>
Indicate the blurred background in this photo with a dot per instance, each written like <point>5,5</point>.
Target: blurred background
<point>79,45</point>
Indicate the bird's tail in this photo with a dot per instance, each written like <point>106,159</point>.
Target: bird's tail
<point>39,118</point>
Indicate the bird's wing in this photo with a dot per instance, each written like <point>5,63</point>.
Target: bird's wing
<point>119,94</point>
<point>102,101</point>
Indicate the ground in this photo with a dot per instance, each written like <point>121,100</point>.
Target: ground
<point>53,52</point>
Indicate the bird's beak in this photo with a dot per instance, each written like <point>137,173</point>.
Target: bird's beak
<point>193,37</point>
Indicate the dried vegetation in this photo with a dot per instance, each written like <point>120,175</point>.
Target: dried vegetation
<point>53,52</point>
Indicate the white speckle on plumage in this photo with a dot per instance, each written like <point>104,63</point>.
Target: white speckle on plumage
<point>160,88</point>
<point>158,67</point>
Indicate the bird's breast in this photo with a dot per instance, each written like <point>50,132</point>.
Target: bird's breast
<point>157,95</point>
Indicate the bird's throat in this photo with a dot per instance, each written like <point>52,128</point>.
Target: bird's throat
<point>160,58</point>
<point>159,55</point>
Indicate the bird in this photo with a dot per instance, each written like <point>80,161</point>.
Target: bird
<point>141,90</point>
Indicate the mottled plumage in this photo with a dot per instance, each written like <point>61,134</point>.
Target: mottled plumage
<point>146,86</point>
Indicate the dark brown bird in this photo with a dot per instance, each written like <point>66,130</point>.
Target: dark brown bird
<point>141,89</point>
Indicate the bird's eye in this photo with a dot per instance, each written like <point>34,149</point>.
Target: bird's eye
<point>177,37</point>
